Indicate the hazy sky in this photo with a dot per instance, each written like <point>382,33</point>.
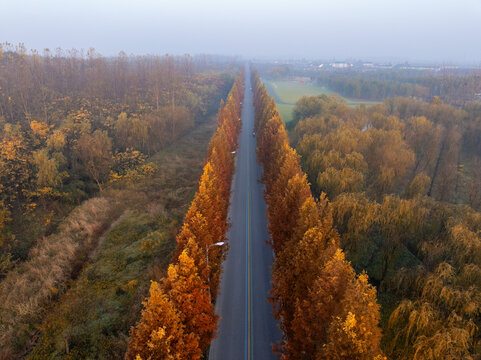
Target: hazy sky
<point>416,30</point>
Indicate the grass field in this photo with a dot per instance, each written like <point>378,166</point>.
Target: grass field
<point>285,110</point>
<point>287,92</point>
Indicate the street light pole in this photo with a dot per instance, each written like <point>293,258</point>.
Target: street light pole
<point>207,248</point>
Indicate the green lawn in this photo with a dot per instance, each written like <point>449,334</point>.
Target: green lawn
<point>287,92</point>
<point>285,110</point>
<point>291,91</point>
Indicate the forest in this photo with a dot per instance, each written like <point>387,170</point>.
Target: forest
<point>404,186</point>
<point>99,158</point>
<point>452,87</point>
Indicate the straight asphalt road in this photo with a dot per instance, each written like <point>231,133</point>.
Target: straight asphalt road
<point>246,329</point>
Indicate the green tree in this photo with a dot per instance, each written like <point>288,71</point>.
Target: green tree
<point>94,153</point>
<point>47,169</point>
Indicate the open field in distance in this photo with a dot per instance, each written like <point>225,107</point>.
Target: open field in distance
<point>287,92</point>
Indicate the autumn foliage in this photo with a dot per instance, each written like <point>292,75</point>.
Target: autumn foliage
<point>404,182</point>
<point>178,321</point>
<point>74,123</point>
<point>326,310</point>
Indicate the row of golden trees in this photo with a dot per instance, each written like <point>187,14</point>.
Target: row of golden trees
<point>326,310</point>
<point>178,321</point>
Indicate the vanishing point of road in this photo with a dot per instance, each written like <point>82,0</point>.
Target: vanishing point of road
<point>247,328</point>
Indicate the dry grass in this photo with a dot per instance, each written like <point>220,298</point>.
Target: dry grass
<point>27,289</point>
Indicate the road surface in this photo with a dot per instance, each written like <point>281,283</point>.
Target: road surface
<point>246,329</point>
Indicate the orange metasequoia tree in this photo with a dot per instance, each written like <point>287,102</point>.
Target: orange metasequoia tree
<point>160,333</point>
<point>190,296</point>
<point>179,321</point>
<point>326,311</point>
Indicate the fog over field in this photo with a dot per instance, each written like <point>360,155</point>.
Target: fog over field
<point>418,31</point>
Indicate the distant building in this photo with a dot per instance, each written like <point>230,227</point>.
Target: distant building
<point>421,68</point>
<point>301,79</point>
<point>384,66</point>
<point>340,65</point>
<point>449,67</point>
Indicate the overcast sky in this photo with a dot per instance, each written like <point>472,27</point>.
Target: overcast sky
<point>445,31</point>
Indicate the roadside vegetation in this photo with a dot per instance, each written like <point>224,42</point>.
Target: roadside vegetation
<point>65,278</point>
<point>325,310</point>
<point>178,320</point>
